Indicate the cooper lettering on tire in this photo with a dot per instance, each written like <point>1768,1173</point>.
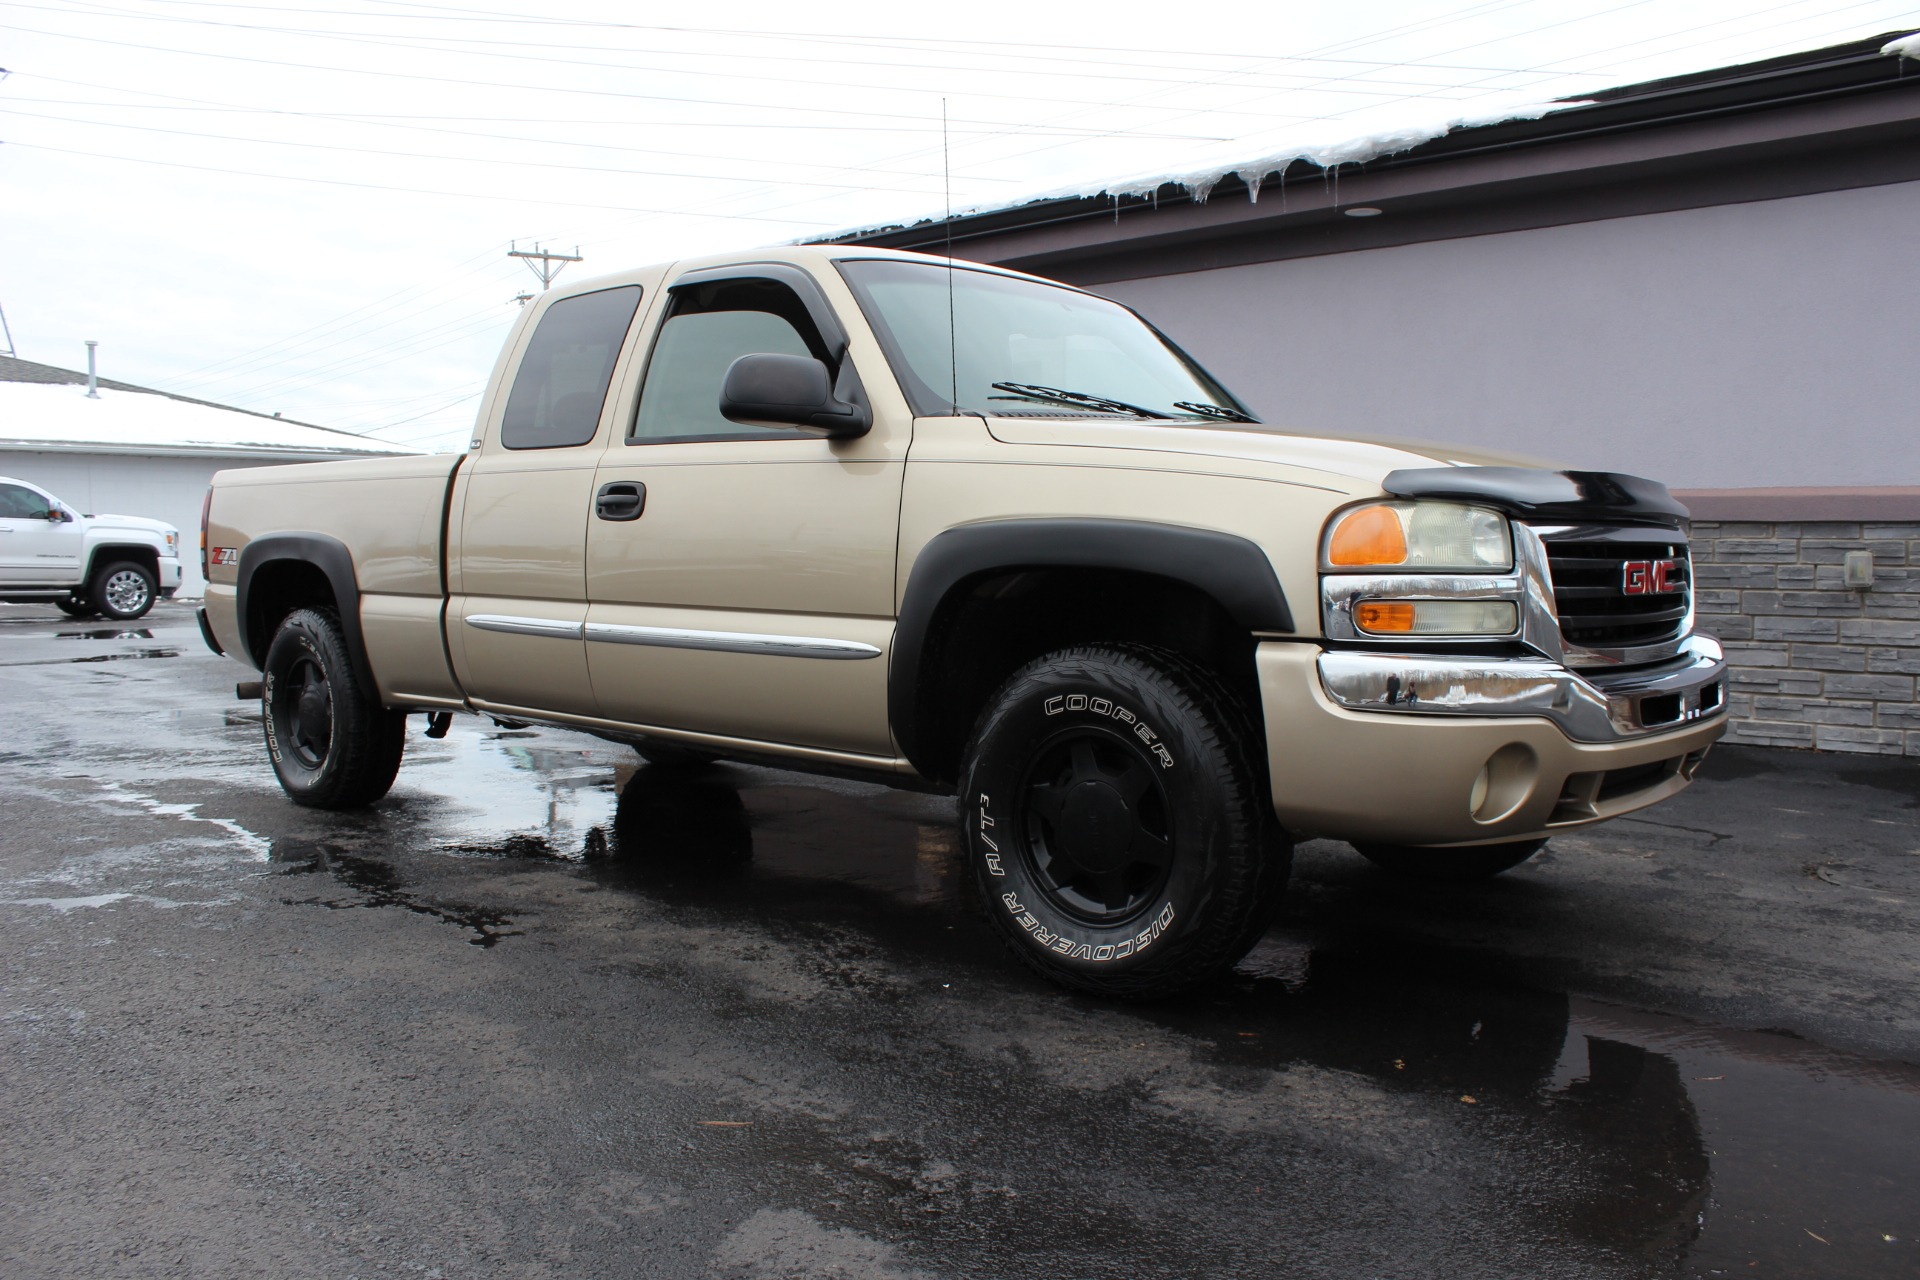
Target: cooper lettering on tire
<point>1119,827</point>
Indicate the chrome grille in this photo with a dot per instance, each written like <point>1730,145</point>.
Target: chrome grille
<point>1589,591</point>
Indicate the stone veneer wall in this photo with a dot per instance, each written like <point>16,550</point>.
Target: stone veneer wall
<point>1814,664</point>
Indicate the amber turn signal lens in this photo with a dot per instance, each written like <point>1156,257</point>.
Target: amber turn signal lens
<point>1384,615</point>
<point>1369,536</point>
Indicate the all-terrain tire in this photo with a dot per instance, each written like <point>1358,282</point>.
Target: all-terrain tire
<point>1117,821</point>
<point>332,744</point>
<point>123,591</point>
<point>1459,865</point>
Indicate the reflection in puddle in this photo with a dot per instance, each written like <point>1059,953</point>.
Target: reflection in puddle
<point>121,657</point>
<point>141,634</point>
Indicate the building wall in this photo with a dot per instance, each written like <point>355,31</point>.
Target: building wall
<point>1748,345</point>
<point>1814,663</point>
<point>159,488</point>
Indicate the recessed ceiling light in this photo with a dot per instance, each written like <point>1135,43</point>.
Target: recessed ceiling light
<point>1362,211</point>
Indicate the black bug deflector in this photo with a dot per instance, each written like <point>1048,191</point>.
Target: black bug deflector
<point>1534,494</point>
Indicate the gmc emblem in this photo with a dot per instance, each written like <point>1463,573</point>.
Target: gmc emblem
<point>1650,578</point>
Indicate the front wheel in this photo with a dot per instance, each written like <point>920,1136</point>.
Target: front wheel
<point>333,745</point>
<point>124,591</point>
<point>1117,824</point>
<point>1460,864</point>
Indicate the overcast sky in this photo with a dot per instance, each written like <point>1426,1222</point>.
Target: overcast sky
<point>305,206</point>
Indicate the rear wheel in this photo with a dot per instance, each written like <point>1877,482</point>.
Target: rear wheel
<point>333,745</point>
<point>124,591</point>
<point>1459,864</point>
<point>1117,824</point>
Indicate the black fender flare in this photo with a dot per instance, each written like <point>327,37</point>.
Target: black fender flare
<point>325,553</point>
<point>1234,571</point>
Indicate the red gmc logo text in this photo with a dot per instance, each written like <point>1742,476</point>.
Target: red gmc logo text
<point>1651,578</point>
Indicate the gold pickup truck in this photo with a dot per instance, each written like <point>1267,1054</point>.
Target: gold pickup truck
<point>874,513</point>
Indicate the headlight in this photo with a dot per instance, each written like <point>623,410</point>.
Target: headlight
<point>1433,536</point>
<point>173,542</point>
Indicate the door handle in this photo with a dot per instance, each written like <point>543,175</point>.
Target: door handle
<point>621,500</point>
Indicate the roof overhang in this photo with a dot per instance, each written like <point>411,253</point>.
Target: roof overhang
<point>1828,120</point>
<point>261,453</point>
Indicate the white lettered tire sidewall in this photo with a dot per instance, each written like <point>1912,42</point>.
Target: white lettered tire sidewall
<point>1121,695</point>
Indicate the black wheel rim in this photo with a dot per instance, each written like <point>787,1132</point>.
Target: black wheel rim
<point>306,713</point>
<point>1098,829</point>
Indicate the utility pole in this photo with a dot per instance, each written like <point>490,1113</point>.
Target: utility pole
<point>544,263</point>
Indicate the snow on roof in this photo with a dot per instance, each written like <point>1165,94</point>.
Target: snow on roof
<point>1326,149</point>
<point>35,415</point>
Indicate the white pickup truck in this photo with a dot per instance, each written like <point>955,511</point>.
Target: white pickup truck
<point>955,527</point>
<point>83,565</point>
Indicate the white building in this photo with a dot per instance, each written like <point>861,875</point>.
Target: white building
<point>139,452</point>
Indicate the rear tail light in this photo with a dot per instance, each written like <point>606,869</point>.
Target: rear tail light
<point>206,509</point>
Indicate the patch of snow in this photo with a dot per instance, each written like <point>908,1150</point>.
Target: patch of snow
<point>256,845</point>
<point>41,415</point>
<point>64,905</point>
<point>1904,47</point>
<point>1327,150</point>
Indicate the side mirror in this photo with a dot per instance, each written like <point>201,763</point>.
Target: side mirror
<point>56,516</point>
<point>796,390</point>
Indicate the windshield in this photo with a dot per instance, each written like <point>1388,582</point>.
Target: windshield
<point>1026,349</point>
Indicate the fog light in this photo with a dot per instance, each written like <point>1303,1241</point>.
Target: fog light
<point>1437,617</point>
<point>1504,784</point>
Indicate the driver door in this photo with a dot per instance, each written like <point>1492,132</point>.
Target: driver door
<point>34,550</point>
<point>748,592</point>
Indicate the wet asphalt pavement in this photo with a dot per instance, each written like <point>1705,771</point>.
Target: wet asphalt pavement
<point>545,1012</point>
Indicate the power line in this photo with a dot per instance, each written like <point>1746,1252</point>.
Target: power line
<point>423,191</point>
<point>421,155</point>
<point>495,87</point>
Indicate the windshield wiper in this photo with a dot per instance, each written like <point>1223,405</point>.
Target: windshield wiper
<point>1078,399</point>
<point>1219,411</point>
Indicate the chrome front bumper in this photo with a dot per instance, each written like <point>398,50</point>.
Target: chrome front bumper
<point>1588,706</point>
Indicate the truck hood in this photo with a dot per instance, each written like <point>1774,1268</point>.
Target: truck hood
<point>108,520</point>
<point>1355,461</point>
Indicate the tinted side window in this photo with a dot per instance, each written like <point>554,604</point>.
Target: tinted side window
<point>562,383</point>
<point>17,503</point>
<point>707,328</point>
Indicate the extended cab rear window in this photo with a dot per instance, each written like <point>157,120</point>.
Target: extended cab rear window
<point>563,379</point>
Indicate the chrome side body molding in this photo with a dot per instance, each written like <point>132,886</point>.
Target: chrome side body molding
<point>508,624</point>
<point>679,638</point>
<point>732,642</point>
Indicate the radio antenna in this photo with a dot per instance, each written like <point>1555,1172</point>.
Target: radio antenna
<point>953,337</point>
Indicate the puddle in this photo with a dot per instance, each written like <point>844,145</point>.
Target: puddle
<point>126,656</point>
<point>141,634</point>
<point>376,884</point>
<point>1721,1152</point>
